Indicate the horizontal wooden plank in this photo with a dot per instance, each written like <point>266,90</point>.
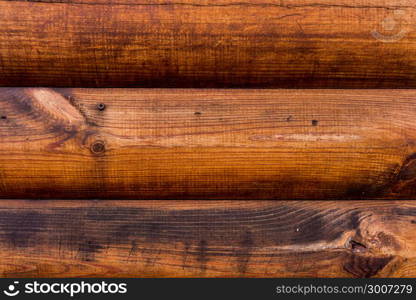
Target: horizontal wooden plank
<point>207,238</point>
<point>208,43</point>
<point>207,144</point>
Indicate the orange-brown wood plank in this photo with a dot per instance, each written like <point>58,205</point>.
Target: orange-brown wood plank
<point>207,144</point>
<point>208,43</point>
<point>207,238</point>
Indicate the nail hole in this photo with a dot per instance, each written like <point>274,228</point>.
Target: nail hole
<point>98,147</point>
<point>197,113</point>
<point>314,122</point>
<point>4,117</point>
<point>101,106</point>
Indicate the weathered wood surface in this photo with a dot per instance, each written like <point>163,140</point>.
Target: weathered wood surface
<point>207,144</point>
<point>207,238</point>
<point>208,43</point>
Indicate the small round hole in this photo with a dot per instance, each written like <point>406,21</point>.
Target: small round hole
<point>101,106</point>
<point>98,147</point>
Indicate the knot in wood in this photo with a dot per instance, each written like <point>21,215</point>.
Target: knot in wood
<point>98,147</point>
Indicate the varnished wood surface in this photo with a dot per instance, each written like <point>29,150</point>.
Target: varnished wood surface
<point>207,238</point>
<point>207,144</point>
<point>208,43</point>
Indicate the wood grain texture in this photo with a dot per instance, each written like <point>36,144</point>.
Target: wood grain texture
<point>207,144</point>
<point>207,238</point>
<point>208,43</point>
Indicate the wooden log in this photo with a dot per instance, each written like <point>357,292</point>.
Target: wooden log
<point>207,238</point>
<point>208,43</point>
<point>207,144</point>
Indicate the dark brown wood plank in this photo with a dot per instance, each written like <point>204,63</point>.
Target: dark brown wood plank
<point>207,144</point>
<point>207,238</point>
<point>208,43</point>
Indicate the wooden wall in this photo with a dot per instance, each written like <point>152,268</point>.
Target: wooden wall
<point>207,238</point>
<point>171,167</point>
<point>207,144</point>
<point>208,43</point>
